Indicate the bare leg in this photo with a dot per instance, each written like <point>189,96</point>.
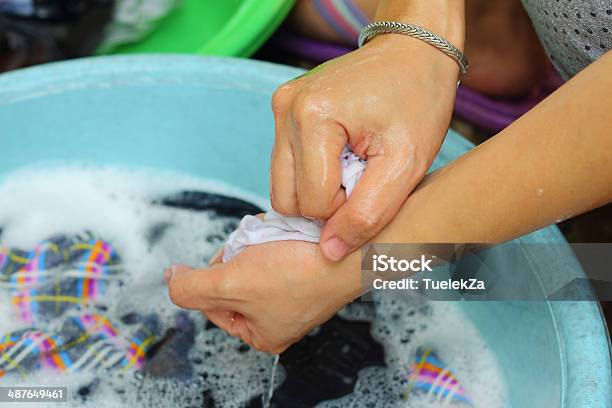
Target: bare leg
<point>506,57</point>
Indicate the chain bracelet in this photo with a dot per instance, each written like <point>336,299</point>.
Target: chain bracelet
<point>391,27</point>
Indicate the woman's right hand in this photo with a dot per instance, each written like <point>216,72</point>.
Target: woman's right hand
<point>391,101</point>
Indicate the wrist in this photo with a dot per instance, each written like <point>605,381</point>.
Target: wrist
<point>416,32</point>
<point>403,52</point>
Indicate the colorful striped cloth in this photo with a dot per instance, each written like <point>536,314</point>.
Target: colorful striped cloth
<point>46,286</point>
<point>57,275</point>
<point>429,375</point>
<point>344,17</point>
<point>87,341</point>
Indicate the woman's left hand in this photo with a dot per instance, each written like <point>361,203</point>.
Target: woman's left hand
<point>270,295</point>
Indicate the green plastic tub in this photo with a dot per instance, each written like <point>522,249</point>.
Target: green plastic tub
<point>213,27</point>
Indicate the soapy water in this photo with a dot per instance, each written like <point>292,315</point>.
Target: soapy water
<point>401,327</point>
<point>116,203</point>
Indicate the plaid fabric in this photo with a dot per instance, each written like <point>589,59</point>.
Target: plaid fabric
<point>429,375</point>
<point>46,285</point>
<point>57,275</point>
<point>87,341</point>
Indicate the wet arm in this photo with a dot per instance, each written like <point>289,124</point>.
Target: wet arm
<point>551,164</point>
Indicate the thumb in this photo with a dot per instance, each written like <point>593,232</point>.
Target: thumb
<point>373,203</point>
<point>202,289</point>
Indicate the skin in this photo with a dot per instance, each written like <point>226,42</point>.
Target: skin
<point>340,103</point>
<point>506,56</point>
<point>551,163</point>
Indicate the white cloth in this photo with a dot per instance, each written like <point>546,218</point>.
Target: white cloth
<point>276,227</point>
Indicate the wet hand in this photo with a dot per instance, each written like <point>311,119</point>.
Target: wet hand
<point>391,101</point>
<point>270,295</point>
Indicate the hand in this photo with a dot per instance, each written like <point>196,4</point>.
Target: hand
<point>391,101</point>
<point>270,295</point>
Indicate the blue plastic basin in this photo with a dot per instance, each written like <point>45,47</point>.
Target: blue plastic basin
<point>211,117</point>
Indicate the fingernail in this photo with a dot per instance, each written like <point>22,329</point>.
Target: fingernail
<point>169,274</point>
<point>335,248</point>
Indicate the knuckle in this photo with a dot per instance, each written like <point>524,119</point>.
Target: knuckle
<point>311,106</point>
<point>281,98</point>
<point>315,209</point>
<point>283,207</point>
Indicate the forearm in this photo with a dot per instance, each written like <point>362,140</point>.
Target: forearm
<point>551,164</point>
